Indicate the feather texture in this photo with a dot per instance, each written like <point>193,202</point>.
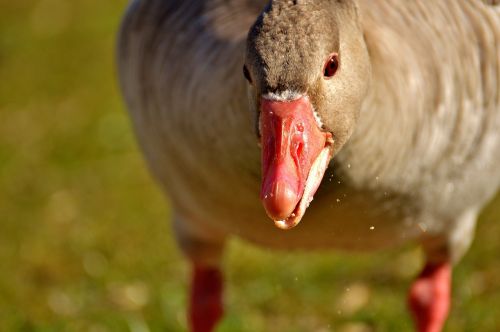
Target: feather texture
<point>422,161</point>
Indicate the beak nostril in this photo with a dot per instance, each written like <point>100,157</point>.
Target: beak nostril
<point>300,148</point>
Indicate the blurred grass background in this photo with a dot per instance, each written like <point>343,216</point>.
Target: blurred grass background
<point>85,243</point>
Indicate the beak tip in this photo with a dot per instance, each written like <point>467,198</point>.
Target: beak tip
<point>280,200</point>
<point>285,224</point>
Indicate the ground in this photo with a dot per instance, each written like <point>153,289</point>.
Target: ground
<point>85,242</point>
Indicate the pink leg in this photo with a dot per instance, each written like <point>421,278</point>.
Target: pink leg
<point>429,297</point>
<point>206,307</point>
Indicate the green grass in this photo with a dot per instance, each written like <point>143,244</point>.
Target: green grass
<point>85,243</point>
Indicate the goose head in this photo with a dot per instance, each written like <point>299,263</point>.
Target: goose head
<point>308,70</point>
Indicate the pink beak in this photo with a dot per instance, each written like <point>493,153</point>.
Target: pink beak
<point>291,142</point>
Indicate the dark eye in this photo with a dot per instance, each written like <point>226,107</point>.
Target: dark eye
<point>246,73</point>
<point>331,65</point>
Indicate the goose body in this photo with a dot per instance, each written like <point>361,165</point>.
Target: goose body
<point>418,165</point>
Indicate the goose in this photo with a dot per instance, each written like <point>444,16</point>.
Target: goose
<point>385,112</point>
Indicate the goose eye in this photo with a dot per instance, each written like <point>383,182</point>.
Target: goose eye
<point>331,65</point>
<point>246,73</point>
